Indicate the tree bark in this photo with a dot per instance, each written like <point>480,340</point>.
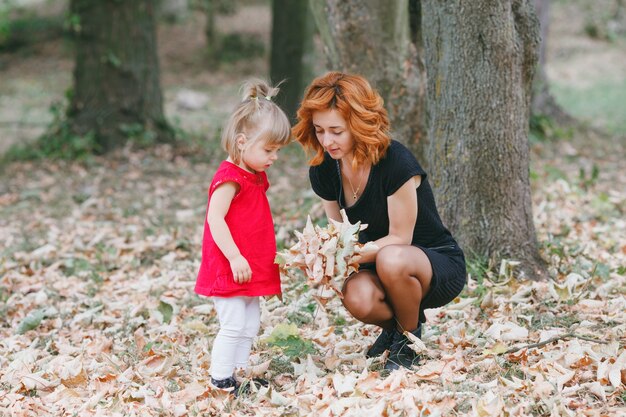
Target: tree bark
<point>377,39</point>
<point>289,32</point>
<point>481,57</point>
<point>116,77</point>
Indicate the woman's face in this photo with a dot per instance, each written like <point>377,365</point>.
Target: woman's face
<point>332,133</point>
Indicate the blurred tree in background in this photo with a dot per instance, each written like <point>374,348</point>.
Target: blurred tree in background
<point>117,93</point>
<point>291,35</point>
<point>381,40</point>
<point>543,103</point>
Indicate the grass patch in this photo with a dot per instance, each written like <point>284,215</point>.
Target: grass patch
<point>601,104</point>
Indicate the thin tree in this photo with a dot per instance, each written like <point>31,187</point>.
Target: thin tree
<point>289,32</point>
<point>380,40</point>
<point>543,102</point>
<point>116,90</point>
<point>481,58</point>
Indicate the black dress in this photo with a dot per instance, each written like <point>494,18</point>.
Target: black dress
<point>429,233</point>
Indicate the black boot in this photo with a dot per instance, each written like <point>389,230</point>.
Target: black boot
<point>229,383</point>
<point>381,344</point>
<point>401,354</point>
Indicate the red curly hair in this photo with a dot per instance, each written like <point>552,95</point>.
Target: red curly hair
<point>358,103</point>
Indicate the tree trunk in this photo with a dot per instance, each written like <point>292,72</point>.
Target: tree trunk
<point>543,103</point>
<point>481,57</point>
<point>116,77</point>
<point>210,31</point>
<point>289,32</point>
<point>377,39</point>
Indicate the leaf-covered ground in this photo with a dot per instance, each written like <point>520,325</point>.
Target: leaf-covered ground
<point>98,314</point>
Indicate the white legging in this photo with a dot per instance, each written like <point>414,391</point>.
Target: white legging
<point>240,319</point>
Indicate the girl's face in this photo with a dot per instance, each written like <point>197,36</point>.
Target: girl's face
<point>332,133</point>
<point>258,156</point>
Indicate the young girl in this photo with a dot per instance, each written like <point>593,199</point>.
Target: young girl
<point>239,244</point>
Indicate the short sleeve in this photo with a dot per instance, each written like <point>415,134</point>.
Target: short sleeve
<point>223,176</point>
<point>322,182</point>
<point>401,165</point>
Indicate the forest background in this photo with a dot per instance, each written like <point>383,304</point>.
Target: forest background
<point>99,252</point>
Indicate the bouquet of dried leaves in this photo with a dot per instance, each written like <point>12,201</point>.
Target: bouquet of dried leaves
<point>326,255</point>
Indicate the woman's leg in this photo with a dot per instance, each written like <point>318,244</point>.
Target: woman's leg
<point>405,274</point>
<point>364,297</point>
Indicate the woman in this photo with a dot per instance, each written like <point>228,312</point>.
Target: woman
<point>357,167</point>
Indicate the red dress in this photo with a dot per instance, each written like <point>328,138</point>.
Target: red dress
<point>252,228</point>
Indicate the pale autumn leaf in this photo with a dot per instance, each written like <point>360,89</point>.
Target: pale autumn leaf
<point>258,370</point>
<point>487,301</point>
<point>431,370</point>
<point>205,309</point>
<point>507,332</point>
<point>617,370</point>
<point>46,251</point>
<point>36,381</point>
<point>497,349</point>
<point>507,267</point>
<point>514,383</point>
<point>568,289</point>
<point>332,362</point>
<point>64,394</point>
<point>393,381</point>
<point>325,333</point>
<point>596,389</point>
<point>190,392</point>
<point>307,367</point>
<point>66,367</point>
<point>197,326</point>
<point>86,317</point>
<point>563,379</point>
<point>344,384</point>
<point>78,380</point>
<point>416,343</point>
<point>278,399</point>
<point>156,365</point>
<point>489,405</point>
<point>541,388</point>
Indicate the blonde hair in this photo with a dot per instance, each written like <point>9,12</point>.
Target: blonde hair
<point>258,117</point>
<point>358,103</point>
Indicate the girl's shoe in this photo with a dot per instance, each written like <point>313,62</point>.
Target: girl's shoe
<point>229,383</point>
<point>401,354</point>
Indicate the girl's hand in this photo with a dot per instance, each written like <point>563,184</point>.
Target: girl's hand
<point>241,270</point>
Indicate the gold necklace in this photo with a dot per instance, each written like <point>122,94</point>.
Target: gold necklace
<point>355,192</point>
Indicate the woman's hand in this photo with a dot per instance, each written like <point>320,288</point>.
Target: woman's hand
<point>241,270</point>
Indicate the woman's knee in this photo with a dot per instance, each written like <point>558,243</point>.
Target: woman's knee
<point>391,261</point>
<point>358,299</point>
